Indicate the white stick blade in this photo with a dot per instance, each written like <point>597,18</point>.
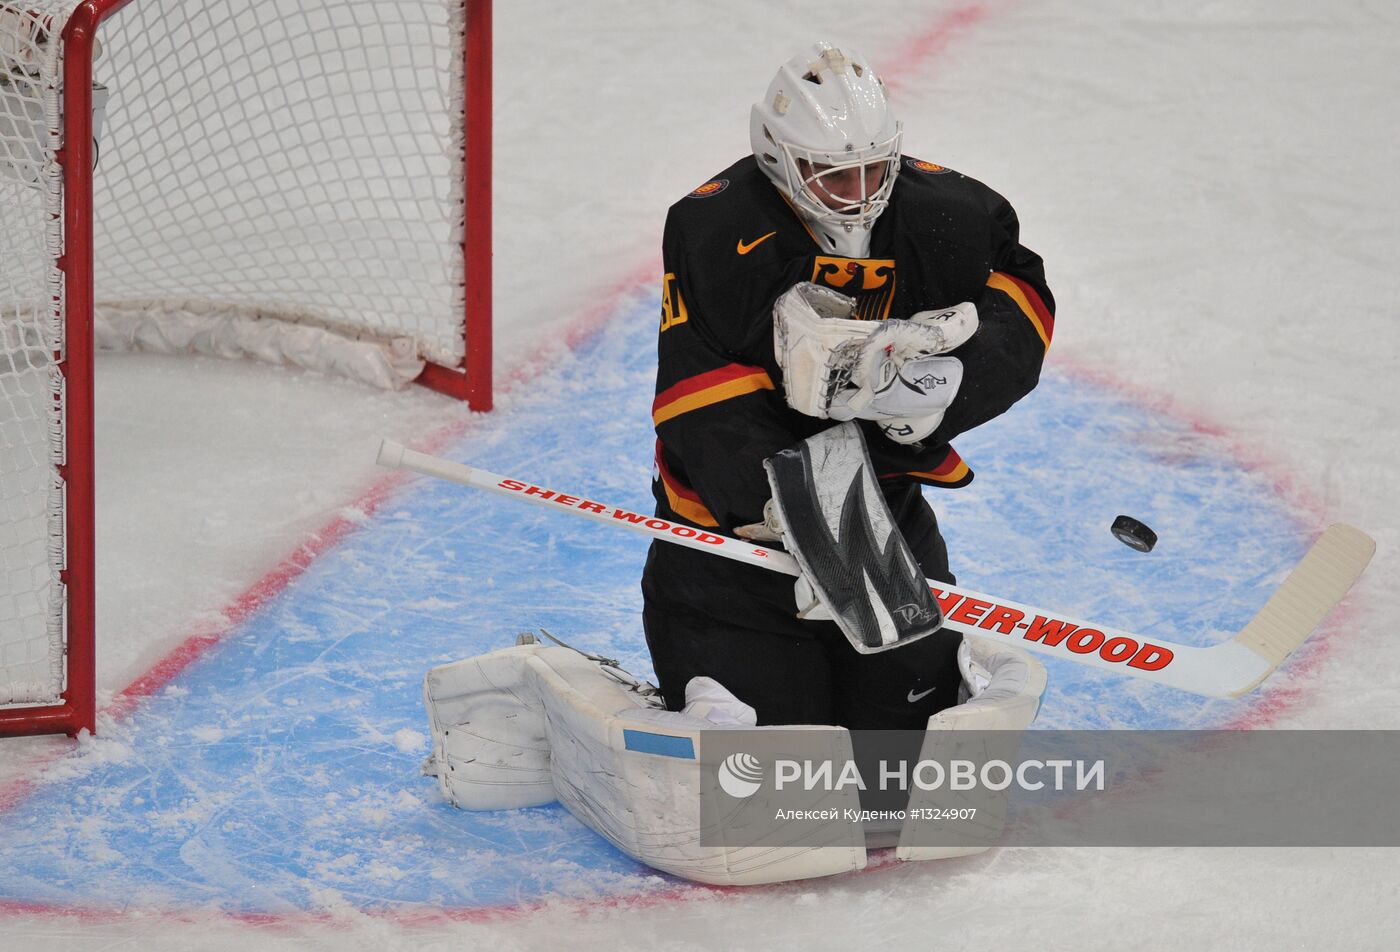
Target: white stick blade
<point>1312,589</point>
<point>390,454</point>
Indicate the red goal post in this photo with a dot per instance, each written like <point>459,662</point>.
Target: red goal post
<point>54,690</point>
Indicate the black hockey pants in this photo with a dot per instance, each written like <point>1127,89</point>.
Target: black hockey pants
<point>789,670</point>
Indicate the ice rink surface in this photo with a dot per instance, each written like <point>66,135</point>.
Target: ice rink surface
<point>1212,187</point>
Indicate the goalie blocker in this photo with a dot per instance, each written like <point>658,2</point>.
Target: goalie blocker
<point>836,524</point>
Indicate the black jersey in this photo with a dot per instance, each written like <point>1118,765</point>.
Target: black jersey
<point>731,248</point>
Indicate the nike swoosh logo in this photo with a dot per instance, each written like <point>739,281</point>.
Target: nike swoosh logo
<point>744,249</point>
<point>920,696</point>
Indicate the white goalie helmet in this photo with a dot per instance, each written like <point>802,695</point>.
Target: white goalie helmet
<point>826,114</point>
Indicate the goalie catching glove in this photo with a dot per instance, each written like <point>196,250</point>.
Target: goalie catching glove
<point>891,372</point>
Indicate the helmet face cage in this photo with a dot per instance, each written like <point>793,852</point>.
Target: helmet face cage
<point>810,191</point>
<point>822,127</point>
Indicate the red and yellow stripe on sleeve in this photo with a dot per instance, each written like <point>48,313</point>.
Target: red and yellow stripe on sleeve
<point>684,501</point>
<point>702,390</point>
<point>952,472</point>
<point>1028,300</point>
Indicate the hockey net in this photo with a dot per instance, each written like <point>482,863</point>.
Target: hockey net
<point>304,183</point>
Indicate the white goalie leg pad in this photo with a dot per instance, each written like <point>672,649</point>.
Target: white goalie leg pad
<point>635,778</point>
<point>489,746</point>
<point>523,726</point>
<point>1002,688</point>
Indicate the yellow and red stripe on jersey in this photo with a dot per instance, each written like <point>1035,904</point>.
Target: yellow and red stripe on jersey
<point>1028,300</point>
<point>952,472</point>
<point>684,501</point>
<point>715,386</point>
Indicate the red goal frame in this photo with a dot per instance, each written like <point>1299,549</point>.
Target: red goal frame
<point>470,380</point>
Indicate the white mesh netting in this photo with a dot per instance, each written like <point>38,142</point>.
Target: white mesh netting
<point>31,513</point>
<point>258,162</point>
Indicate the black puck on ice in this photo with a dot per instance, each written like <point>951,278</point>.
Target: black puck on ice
<point>1133,534</point>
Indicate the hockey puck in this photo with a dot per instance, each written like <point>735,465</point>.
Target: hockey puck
<point>1133,534</point>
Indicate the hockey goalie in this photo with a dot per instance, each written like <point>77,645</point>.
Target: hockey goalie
<point>535,723</point>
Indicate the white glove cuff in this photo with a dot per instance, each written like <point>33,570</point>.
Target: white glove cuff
<point>816,345</point>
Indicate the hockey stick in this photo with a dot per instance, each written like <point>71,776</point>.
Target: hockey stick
<point>1314,587</point>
